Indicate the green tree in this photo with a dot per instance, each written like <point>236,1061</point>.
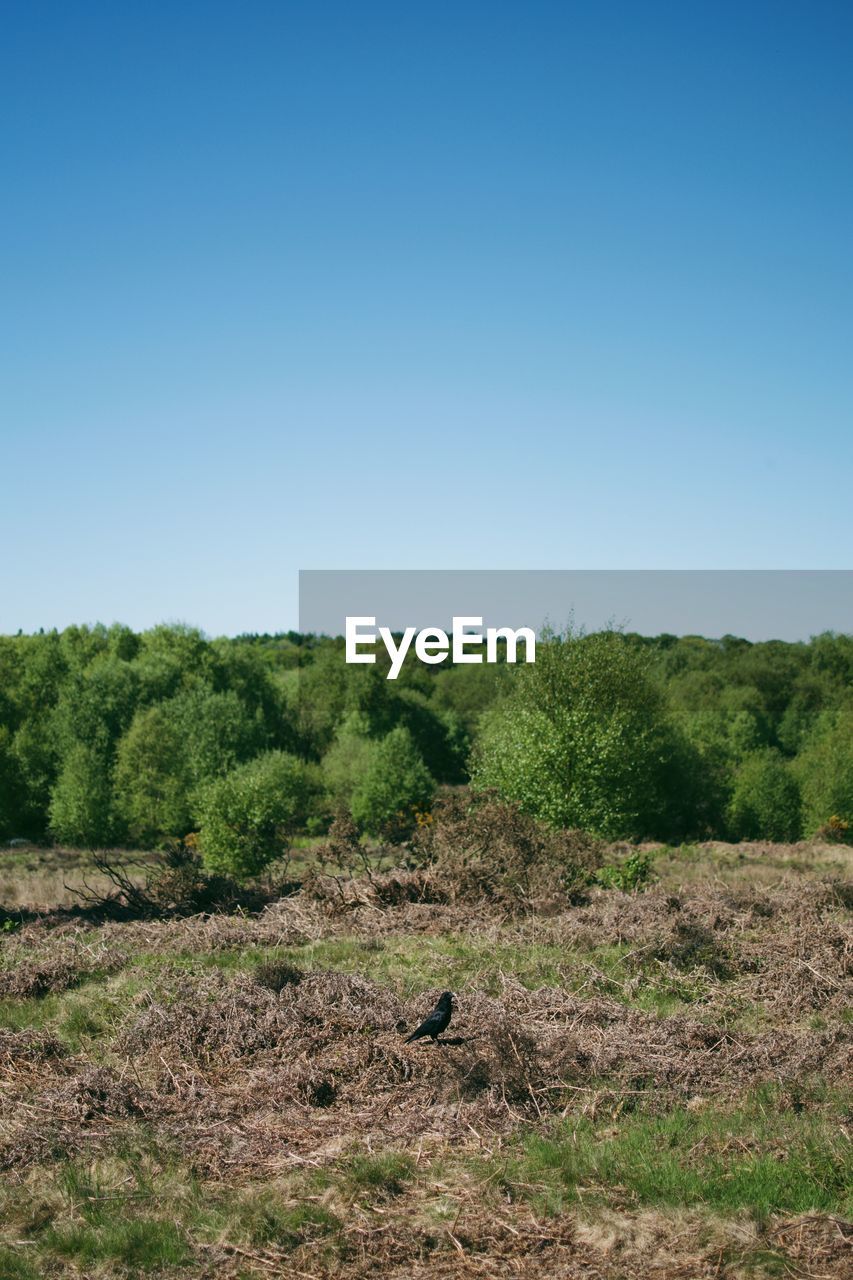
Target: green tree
<point>81,811</point>
<point>173,748</point>
<point>10,785</point>
<point>348,759</point>
<point>36,761</point>
<point>247,817</point>
<point>585,739</point>
<point>394,785</point>
<point>825,770</point>
<point>469,690</point>
<point>96,705</point>
<point>765,803</point>
<point>151,777</point>
<point>438,735</point>
<point>170,659</point>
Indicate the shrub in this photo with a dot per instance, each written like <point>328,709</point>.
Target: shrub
<point>176,886</point>
<point>247,817</point>
<point>180,885</point>
<point>836,830</point>
<point>765,804</point>
<point>629,875</point>
<point>394,786</point>
<point>585,741</point>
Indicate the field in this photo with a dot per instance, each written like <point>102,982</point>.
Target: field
<point>654,1083</point>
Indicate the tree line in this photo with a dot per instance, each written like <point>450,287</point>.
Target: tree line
<point>108,736</point>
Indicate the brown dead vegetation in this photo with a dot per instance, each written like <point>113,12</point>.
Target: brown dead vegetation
<point>249,1074</point>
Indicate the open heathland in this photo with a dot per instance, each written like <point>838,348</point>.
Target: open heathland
<point>653,1082</point>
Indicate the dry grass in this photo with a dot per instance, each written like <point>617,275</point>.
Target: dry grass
<point>232,1094</point>
<point>35,879</point>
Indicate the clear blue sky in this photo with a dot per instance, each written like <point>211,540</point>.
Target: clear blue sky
<point>481,285</point>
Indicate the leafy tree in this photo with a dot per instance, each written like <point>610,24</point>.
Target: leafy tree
<point>395,784</point>
<point>585,739</point>
<point>320,700</point>
<point>170,659</point>
<point>825,770</point>
<point>36,761</point>
<point>438,735</point>
<point>81,810</point>
<point>467,691</point>
<point>800,716</point>
<point>245,671</point>
<point>348,759</point>
<point>831,656</point>
<point>247,817</point>
<point>10,786</point>
<point>43,669</point>
<point>219,731</point>
<point>151,777</point>
<point>765,804</point>
<point>96,705</point>
<point>171,749</point>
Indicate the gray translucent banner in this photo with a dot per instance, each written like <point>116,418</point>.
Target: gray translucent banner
<point>753,604</point>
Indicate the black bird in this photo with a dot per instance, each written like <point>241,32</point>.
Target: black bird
<point>438,1020</point>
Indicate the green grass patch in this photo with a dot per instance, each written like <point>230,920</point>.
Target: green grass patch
<point>269,1217</point>
<point>761,1157</point>
<point>141,1245</point>
<point>15,1264</point>
<point>383,1174</point>
<point>86,1017</point>
<point>141,1210</point>
<point>32,1013</point>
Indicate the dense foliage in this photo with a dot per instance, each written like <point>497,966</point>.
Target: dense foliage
<point>586,739</point>
<point>248,816</point>
<point>108,736</point>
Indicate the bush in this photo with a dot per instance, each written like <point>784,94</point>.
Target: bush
<point>765,804</point>
<point>627,876</point>
<point>178,885</point>
<point>247,817</point>
<point>394,786</point>
<point>825,771</point>
<point>836,830</point>
<point>585,741</point>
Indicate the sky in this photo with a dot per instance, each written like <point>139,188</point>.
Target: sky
<point>366,286</point>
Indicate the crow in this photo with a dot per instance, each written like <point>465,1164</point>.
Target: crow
<point>438,1020</point>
